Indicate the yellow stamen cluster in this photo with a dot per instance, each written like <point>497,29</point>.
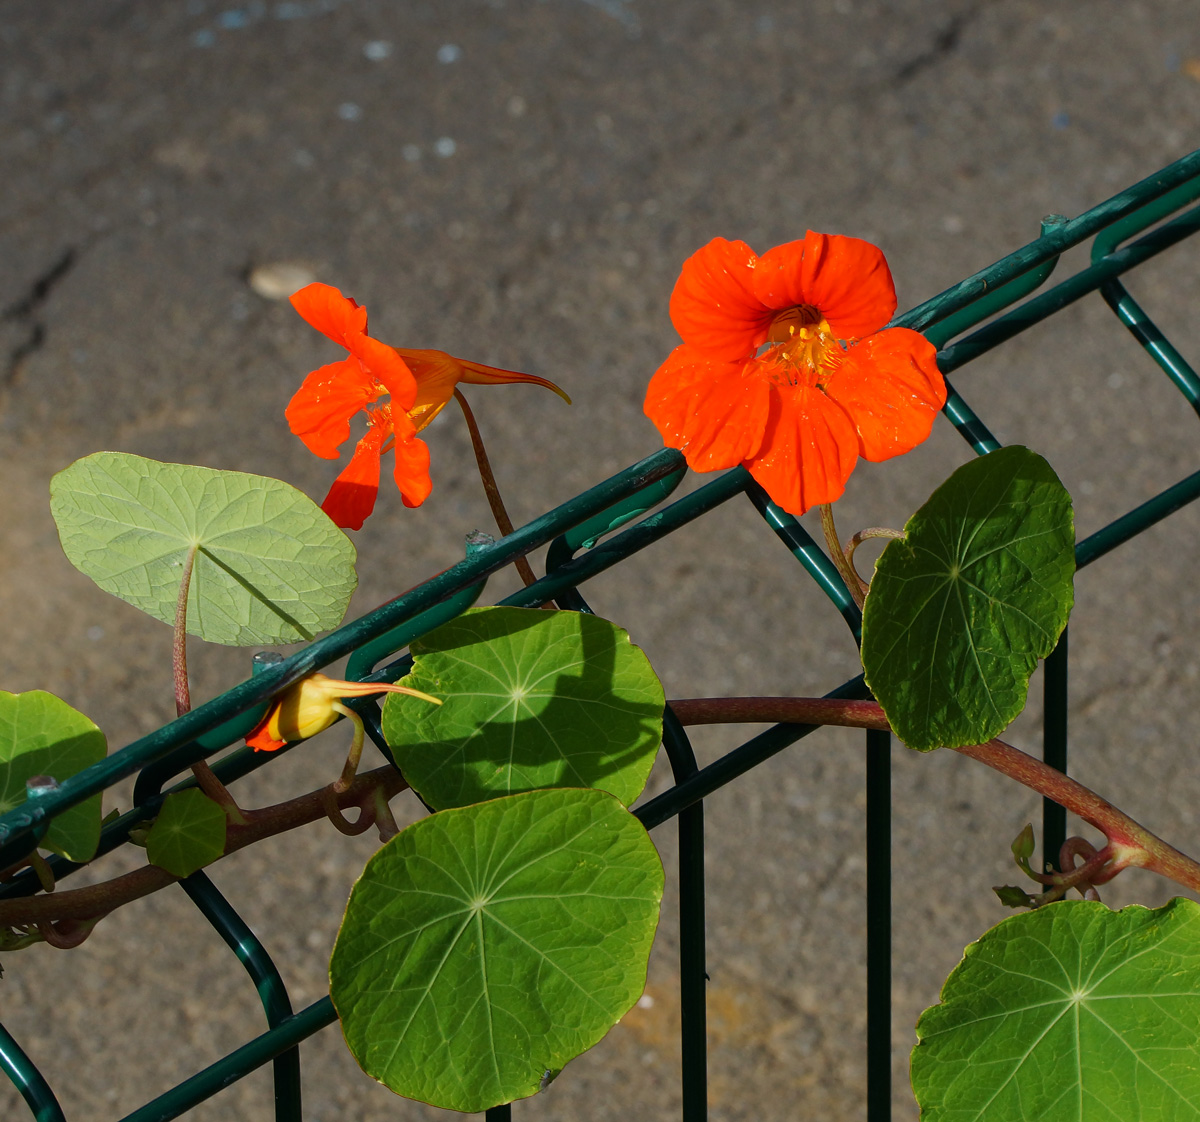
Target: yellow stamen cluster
<point>802,346</point>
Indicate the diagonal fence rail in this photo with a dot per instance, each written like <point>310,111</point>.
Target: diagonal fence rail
<point>586,536</point>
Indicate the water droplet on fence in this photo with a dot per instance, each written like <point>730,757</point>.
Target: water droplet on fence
<point>264,660</point>
<point>477,540</point>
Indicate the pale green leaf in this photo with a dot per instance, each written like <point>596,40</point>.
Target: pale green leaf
<point>270,566</point>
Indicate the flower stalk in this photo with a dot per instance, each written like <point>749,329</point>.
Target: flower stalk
<point>855,585</point>
<point>490,487</point>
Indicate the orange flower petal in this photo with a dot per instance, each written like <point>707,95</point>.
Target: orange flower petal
<point>846,279</point>
<point>412,469</point>
<point>437,373</point>
<point>322,306</point>
<point>260,739</point>
<point>713,305</point>
<point>352,496</point>
<point>808,450</point>
<point>713,412</point>
<point>320,410</point>
<point>476,374</point>
<point>384,363</point>
<point>891,387</point>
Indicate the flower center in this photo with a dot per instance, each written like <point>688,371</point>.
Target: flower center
<point>802,346</point>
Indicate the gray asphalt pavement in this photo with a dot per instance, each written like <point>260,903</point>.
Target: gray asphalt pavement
<point>518,182</point>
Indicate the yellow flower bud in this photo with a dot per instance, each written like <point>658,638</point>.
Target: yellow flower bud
<point>308,707</point>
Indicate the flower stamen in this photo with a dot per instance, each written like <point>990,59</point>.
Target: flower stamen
<point>802,348</point>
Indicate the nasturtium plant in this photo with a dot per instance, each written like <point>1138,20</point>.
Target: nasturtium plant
<point>1071,1013</point>
<point>963,606</point>
<point>188,833</point>
<point>42,735</point>
<point>532,699</point>
<point>486,946</point>
<point>269,565</point>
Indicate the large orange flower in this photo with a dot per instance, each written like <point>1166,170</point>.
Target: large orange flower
<point>784,367</point>
<point>418,384</point>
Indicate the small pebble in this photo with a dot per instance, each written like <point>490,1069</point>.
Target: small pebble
<point>444,146</point>
<point>349,111</point>
<point>448,53</point>
<point>278,280</point>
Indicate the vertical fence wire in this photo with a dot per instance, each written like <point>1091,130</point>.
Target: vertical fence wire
<point>271,991</point>
<point>693,966</point>
<point>1054,746</point>
<point>879,925</point>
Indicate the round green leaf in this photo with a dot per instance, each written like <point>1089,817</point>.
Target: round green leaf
<point>486,946</point>
<point>1072,1012</point>
<point>42,735</point>
<point>533,699</point>
<point>963,606</point>
<point>188,833</point>
<point>270,566</point>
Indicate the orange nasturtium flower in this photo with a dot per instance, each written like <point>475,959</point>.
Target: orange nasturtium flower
<point>308,707</point>
<point>417,383</point>
<point>784,367</point>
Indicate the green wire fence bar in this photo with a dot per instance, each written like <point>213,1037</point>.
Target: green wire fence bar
<point>586,536</point>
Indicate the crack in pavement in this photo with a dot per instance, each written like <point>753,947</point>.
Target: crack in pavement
<point>945,41</point>
<point>23,312</point>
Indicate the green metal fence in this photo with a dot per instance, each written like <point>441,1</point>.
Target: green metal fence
<point>1125,231</point>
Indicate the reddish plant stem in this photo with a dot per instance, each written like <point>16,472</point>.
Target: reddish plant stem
<point>1129,843</point>
<point>490,487</point>
<point>96,901</point>
<point>205,777</point>
<point>66,934</point>
<point>183,694</point>
<point>780,710</point>
<point>207,781</point>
